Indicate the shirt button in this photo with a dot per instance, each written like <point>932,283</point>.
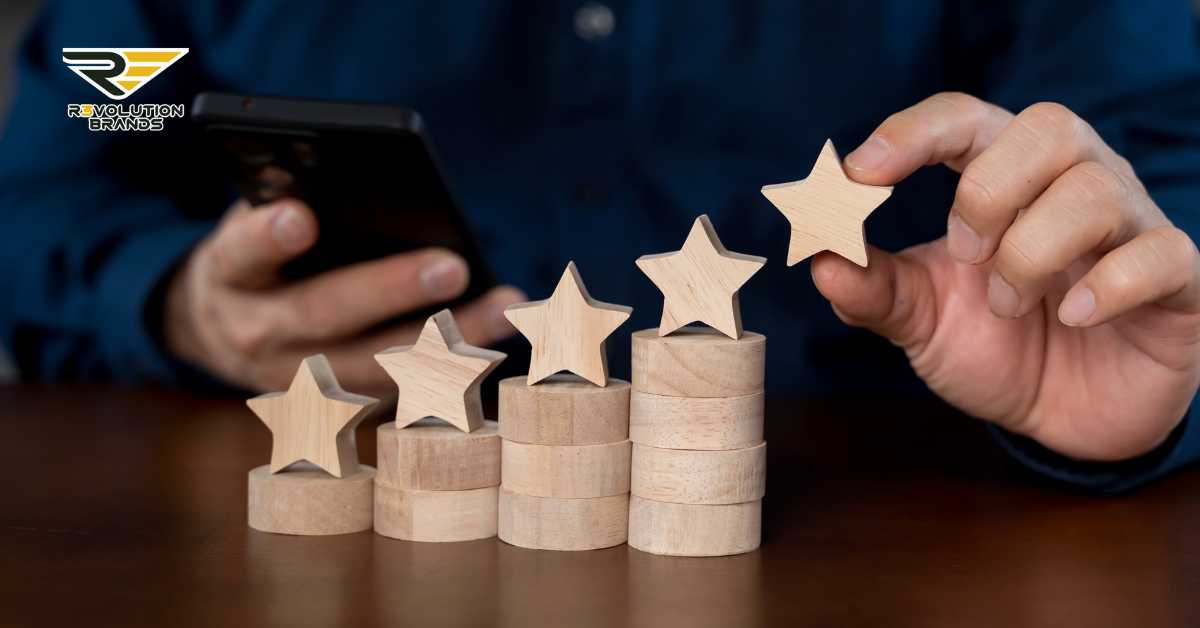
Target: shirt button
<point>594,21</point>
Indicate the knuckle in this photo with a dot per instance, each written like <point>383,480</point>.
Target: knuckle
<point>250,337</point>
<point>1099,184</point>
<point>1021,256</point>
<point>959,101</point>
<point>1174,245</point>
<point>1055,125</point>
<point>974,194</point>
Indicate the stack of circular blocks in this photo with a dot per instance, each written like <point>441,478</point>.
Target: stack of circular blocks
<point>565,455</point>
<point>436,483</point>
<point>699,460</point>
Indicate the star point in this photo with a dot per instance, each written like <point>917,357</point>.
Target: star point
<point>826,210</point>
<point>568,330</point>
<point>700,282</point>
<point>313,420</point>
<point>439,375</point>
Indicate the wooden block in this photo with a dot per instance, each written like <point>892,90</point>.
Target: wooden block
<point>686,476</point>
<point>700,282</point>
<point>564,410</point>
<point>305,500</point>
<point>827,210</point>
<point>696,422</point>
<point>439,375</point>
<point>554,523</point>
<point>568,330</point>
<point>694,530</point>
<point>435,516</point>
<point>698,362</point>
<point>314,420</point>
<point>430,455</point>
<point>568,471</point>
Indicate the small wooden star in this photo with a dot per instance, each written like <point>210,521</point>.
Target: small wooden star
<point>314,420</point>
<point>700,282</point>
<point>439,375</point>
<point>827,210</point>
<point>567,331</point>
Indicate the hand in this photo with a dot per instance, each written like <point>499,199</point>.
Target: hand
<point>228,311</point>
<point>1062,304</point>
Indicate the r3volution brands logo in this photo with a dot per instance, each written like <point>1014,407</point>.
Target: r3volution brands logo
<point>118,73</point>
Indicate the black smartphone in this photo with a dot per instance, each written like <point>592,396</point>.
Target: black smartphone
<point>367,171</point>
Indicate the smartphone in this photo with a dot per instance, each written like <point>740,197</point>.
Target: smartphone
<point>367,171</point>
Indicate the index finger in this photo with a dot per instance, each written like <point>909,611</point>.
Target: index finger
<point>250,244</point>
<point>948,128</point>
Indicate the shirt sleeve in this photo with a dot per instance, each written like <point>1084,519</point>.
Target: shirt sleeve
<point>93,221</point>
<point>1132,70</point>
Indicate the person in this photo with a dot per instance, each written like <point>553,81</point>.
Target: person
<point>1060,300</point>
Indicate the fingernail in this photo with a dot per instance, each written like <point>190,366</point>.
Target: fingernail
<point>501,300</point>
<point>443,278</point>
<point>1002,296</point>
<point>289,229</point>
<point>1077,307</point>
<point>870,155</point>
<point>961,240</point>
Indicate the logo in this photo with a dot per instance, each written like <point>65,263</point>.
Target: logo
<point>118,73</point>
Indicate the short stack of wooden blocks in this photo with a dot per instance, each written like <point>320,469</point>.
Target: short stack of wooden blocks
<point>437,483</point>
<point>565,457</point>
<point>699,459</point>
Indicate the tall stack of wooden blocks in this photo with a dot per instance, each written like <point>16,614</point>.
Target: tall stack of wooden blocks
<point>699,459</point>
<point>565,454</point>
<point>696,410</point>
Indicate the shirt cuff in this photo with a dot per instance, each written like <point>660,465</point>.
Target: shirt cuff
<point>1108,478</point>
<point>131,289</point>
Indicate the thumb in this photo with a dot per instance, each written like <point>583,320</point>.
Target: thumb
<point>893,296</point>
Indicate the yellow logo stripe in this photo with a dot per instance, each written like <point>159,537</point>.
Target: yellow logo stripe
<point>148,56</point>
<point>141,70</point>
<point>129,84</point>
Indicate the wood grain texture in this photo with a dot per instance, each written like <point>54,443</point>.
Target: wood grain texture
<point>313,420</point>
<point>568,330</point>
<point>430,455</point>
<point>439,375</point>
<point>696,422</point>
<point>698,362</point>
<point>564,410</point>
<point>685,476</point>
<point>700,282</point>
<point>568,471</point>
<point>694,530</point>
<point>826,210</point>
<point>435,516</point>
<point>305,501</point>
<point>553,523</point>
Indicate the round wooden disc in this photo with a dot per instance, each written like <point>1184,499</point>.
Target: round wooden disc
<point>435,516</point>
<point>553,523</point>
<point>570,471</point>
<point>696,422</point>
<point>564,410</point>
<point>432,455</point>
<point>306,500</point>
<point>698,362</point>
<point>694,530</point>
<point>686,476</point>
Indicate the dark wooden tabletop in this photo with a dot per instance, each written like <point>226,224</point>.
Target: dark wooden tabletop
<point>128,508</point>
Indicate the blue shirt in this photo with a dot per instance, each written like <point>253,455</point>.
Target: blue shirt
<point>596,149</point>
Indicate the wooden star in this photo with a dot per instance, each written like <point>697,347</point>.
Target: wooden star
<point>439,375</point>
<point>567,331</point>
<point>827,210</point>
<point>700,282</point>
<point>314,420</point>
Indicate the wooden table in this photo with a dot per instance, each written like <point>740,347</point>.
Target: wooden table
<point>128,507</point>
